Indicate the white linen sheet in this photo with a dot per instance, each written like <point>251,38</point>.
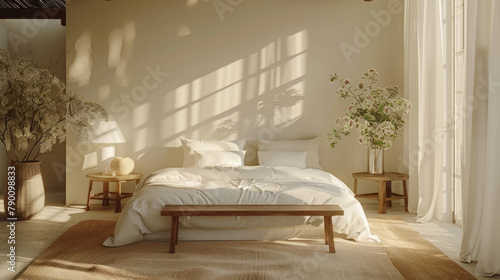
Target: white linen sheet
<point>237,185</point>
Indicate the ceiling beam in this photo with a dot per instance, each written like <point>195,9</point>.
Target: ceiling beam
<point>59,13</point>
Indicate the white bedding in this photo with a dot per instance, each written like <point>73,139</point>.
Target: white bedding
<point>237,185</point>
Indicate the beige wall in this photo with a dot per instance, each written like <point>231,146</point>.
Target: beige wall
<point>47,38</point>
<point>225,70</point>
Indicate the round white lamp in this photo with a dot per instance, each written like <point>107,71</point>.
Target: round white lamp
<point>122,165</point>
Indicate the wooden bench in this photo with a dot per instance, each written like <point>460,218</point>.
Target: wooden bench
<point>176,211</point>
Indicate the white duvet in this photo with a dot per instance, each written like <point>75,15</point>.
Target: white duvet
<point>237,185</point>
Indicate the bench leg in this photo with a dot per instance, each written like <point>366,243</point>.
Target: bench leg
<point>325,225</point>
<point>329,233</point>
<point>173,233</point>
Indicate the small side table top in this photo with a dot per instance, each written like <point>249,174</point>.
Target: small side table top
<point>110,178</point>
<point>386,176</point>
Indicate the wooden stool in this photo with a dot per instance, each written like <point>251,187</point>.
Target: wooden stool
<point>385,196</point>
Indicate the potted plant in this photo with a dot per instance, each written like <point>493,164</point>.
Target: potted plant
<point>377,113</point>
<point>35,112</point>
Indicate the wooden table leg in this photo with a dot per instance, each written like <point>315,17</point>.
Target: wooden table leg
<point>173,233</point>
<point>381,197</point>
<point>118,206</point>
<point>88,197</point>
<point>105,194</point>
<point>405,193</point>
<point>388,193</point>
<point>329,236</point>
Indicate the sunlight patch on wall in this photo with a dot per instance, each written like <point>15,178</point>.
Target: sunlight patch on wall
<point>229,74</point>
<point>115,47</point>
<point>270,54</point>
<point>181,96</point>
<point>141,139</point>
<point>80,70</point>
<point>280,82</point>
<point>216,92</point>
<point>207,85</point>
<point>253,63</point>
<point>182,102</point>
<point>140,115</point>
<point>263,84</point>
<point>296,43</point>
<point>195,113</point>
<point>89,162</point>
<point>191,3</point>
<point>196,89</point>
<point>121,42</point>
<point>167,127</point>
<point>227,98</point>
<point>183,30</point>
<point>274,74</point>
<point>181,120</point>
<point>294,68</point>
<point>252,88</point>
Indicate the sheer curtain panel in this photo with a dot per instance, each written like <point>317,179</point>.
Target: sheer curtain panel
<point>481,162</point>
<point>427,82</point>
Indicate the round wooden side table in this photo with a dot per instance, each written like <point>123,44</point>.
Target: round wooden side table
<point>106,195</point>
<point>385,196</point>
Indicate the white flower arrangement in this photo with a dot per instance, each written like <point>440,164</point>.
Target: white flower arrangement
<point>376,112</point>
<point>36,110</point>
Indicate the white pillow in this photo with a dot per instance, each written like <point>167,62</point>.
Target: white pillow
<point>281,158</point>
<point>311,146</point>
<point>208,158</point>
<point>189,146</point>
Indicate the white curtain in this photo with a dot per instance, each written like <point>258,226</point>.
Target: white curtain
<point>427,83</point>
<point>481,162</point>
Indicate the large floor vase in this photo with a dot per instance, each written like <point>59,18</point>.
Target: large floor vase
<point>28,195</point>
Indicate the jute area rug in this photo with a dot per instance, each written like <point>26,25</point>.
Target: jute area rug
<point>403,254</point>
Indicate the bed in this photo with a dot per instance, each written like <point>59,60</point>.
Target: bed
<point>217,175</point>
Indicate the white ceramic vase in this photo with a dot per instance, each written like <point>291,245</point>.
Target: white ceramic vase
<point>122,165</point>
